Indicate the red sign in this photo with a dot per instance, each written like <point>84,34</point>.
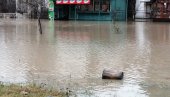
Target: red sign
<point>72,1</point>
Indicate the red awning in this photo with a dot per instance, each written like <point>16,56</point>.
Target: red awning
<point>72,1</point>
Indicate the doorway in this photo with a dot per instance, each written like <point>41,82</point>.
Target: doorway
<point>62,12</point>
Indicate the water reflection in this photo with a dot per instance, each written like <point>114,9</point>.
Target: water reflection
<point>74,53</point>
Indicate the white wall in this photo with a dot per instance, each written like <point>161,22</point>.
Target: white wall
<point>140,8</point>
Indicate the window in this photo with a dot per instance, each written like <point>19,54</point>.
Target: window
<point>95,6</point>
<point>105,6</point>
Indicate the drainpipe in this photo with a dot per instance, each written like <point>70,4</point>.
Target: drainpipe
<point>126,9</point>
<point>99,9</point>
<point>75,13</point>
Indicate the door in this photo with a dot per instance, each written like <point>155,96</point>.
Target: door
<point>62,12</point>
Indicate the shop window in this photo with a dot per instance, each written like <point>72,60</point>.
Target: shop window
<point>95,6</point>
<point>105,6</point>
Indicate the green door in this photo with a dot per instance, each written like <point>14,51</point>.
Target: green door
<point>120,9</point>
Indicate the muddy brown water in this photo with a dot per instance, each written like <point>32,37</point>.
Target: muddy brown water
<point>73,54</point>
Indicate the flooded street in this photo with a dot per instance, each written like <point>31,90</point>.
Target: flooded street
<point>73,54</point>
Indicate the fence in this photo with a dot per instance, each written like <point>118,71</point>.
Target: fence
<point>7,15</point>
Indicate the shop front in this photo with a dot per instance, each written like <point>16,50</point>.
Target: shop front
<point>91,10</point>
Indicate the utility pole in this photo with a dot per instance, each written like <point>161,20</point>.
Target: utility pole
<point>16,5</point>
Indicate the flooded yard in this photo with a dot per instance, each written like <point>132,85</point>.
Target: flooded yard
<point>72,55</point>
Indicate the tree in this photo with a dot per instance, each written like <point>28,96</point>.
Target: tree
<point>7,6</point>
<point>34,6</point>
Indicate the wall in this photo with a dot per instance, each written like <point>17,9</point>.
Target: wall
<point>141,8</point>
<point>120,6</point>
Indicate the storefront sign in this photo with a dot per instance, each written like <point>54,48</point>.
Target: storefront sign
<point>72,1</point>
<point>65,1</point>
<point>51,9</point>
<point>86,1</point>
<point>58,1</point>
<point>79,1</point>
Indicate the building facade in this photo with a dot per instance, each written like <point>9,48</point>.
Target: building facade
<point>96,10</point>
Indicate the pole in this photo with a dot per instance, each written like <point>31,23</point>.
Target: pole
<point>16,5</point>
<point>75,13</point>
<point>39,21</point>
<point>99,9</point>
<point>126,9</point>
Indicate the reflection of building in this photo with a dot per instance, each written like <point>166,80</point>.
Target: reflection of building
<point>96,10</point>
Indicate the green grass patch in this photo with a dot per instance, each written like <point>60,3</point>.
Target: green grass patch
<point>14,90</point>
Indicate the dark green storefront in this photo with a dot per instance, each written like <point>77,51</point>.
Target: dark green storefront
<point>96,10</point>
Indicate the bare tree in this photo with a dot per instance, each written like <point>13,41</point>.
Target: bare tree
<point>34,6</point>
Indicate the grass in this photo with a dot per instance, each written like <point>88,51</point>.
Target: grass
<point>27,91</point>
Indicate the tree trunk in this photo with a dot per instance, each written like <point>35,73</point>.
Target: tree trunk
<point>40,27</point>
<point>39,16</point>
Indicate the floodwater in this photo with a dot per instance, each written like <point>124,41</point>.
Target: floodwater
<point>73,54</point>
